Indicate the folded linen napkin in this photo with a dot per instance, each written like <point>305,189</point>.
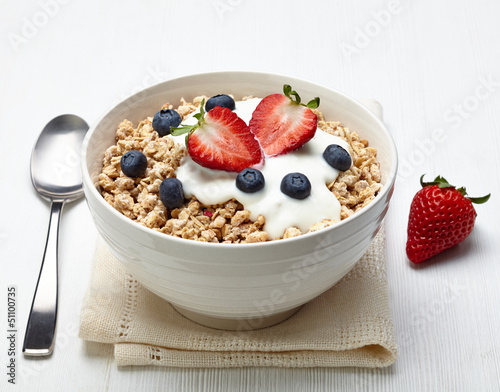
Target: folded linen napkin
<point>348,325</point>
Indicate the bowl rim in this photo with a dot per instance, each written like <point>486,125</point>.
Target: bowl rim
<point>387,188</point>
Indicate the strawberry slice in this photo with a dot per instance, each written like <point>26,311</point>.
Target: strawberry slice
<point>221,140</point>
<point>282,124</point>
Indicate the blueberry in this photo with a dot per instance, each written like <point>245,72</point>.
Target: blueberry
<point>221,100</point>
<point>296,185</point>
<point>250,180</point>
<point>171,193</point>
<point>134,163</point>
<point>164,120</point>
<point>337,157</point>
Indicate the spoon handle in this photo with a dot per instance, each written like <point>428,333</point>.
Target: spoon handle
<point>39,337</point>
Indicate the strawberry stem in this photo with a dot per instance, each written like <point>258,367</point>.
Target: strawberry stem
<point>443,183</point>
<point>287,90</point>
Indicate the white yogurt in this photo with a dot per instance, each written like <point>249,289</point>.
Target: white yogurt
<point>281,211</point>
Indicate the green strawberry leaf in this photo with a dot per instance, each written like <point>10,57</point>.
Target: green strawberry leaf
<point>287,89</point>
<point>479,200</point>
<point>440,181</point>
<point>189,129</point>
<point>182,129</point>
<point>313,103</point>
<point>443,183</point>
<point>199,115</point>
<point>295,97</point>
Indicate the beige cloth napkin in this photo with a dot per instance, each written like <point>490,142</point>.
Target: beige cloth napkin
<point>349,325</point>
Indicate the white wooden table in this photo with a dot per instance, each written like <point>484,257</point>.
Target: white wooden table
<point>435,68</point>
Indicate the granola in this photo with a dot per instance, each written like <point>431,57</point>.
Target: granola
<point>138,198</point>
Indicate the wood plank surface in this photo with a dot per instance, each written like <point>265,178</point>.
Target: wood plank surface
<point>434,67</point>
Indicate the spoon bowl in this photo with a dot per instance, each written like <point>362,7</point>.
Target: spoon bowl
<point>56,176</point>
<point>55,160</point>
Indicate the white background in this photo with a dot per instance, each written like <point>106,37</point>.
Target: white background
<point>435,68</point>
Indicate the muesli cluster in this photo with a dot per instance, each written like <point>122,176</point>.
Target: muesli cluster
<point>139,197</point>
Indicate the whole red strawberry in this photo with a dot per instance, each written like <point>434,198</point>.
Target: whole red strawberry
<point>441,216</point>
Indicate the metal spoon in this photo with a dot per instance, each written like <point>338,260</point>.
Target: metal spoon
<point>55,173</point>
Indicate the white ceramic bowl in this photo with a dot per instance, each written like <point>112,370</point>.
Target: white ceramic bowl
<point>237,286</point>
